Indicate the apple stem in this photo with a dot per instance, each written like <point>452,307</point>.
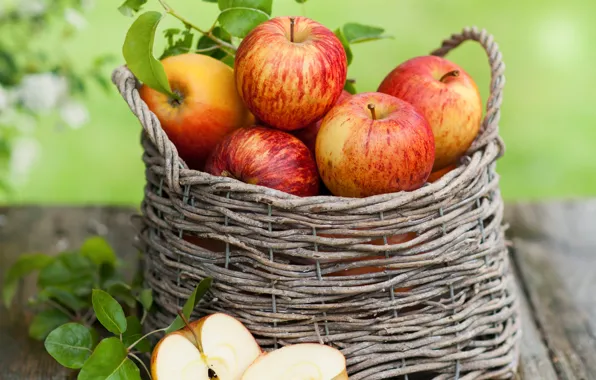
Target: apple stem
<point>292,21</point>
<point>194,334</point>
<point>371,107</point>
<point>454,73</point>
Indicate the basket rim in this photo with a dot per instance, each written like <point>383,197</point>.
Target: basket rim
<point>486,143</point>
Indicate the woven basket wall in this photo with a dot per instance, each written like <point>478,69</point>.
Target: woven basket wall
<point>442,305</point>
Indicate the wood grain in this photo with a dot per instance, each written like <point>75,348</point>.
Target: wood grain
<point>49,230</point>
<point>555,253</point>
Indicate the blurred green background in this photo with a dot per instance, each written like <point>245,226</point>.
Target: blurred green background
<point>548,117</point>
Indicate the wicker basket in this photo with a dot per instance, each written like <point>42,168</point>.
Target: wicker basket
<point>442,305</point>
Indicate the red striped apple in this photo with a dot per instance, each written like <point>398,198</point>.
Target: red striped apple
<point>290,71</point>
<point>217,343</point>
<point>266,157</point>
<point>373,144</point>
<point>308,135</point>
<point>209,106</point>
<point>446,95</point>
<point>303,361</point>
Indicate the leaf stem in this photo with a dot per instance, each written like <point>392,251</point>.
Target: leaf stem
<point>207,33</point>
<point>141,362</point>
<point>143,317</point>
<point>62,309</point>
<point>145,336</point>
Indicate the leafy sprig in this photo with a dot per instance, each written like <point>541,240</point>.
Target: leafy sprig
<point>81,317</point>
<point>235,20</point>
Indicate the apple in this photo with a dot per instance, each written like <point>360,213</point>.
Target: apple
<point>217,343</point>
<point>374,143</point>
<point>446,95</point>
<point>436,175</point>
<point>290,71</point>
<point>302,361</point>
<point>266,157</point>
<point>208,107</point>
<point>308,135</point>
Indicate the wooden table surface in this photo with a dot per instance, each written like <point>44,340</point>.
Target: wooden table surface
<point>554,256</point>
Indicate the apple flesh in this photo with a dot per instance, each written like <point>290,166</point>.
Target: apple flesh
<point>308,135</point>
<point>304,361</point>
<point>208,107</point>
<point>290,71</point>
<point>447,97</point>
<point>266,157</point>
<point>373,144</point>
<point>228,349</point>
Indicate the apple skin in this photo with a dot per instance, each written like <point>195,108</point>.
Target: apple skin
<point>436,175</point>
<point>308,135</point>
<point>210,106</point>
<point>359,156</point>
<point>453,106</point>
<point>266,157</point>
<point>290,85</point>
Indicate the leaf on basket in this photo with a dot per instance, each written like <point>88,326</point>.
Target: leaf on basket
<point>262,5</point>
<point>190,304</point>
<point>240,21</point>
<point>130,7</point>
<point>138,53</point>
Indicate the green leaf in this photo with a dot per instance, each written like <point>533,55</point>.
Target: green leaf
<point>356,33</point>
<point>349,87</point>
<point>109,361</point>
<point>108,312</point>
<point>64,297</point>
<point>180,46</point>
<point>133,333</point>
<point>70,344</point>
<point>122,292</point>
<point>23,266</point>
<point>346,44</point>
<point>138,52</point>
<point>190,304</point>
<point>206,44</point>
<point>240,21</point>
<point>262,5</point>
<point>130,7</point>
<point>301,1</point>
<point>44,322</point>
<point>146,298</point>
<point>99,251</point>
<point>210,1</point>
<point>69,270</point>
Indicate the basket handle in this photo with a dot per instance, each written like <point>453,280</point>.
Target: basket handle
<point>489,130</point>
<point>128,85</point>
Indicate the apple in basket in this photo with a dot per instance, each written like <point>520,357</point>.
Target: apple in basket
<point>217,343</point>
<point>374,143</point>
<point>266,157</point>
<point>208,107</point>
<point>290,71</point>
<point>308,135</point>
<point>446,95</point>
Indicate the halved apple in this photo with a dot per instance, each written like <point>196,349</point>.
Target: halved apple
<point>304,361</point>
<point>228,348</point>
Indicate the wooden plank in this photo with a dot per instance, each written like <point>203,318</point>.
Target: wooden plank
<point>41,229</point>
<point>555,254</point>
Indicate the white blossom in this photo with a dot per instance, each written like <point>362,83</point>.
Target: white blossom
<point>75,18</point>
<point>31,8</point>
<point>74,114</point>
<point>3,99</point>
<point>24,154</point>
<point>42,92</point>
